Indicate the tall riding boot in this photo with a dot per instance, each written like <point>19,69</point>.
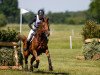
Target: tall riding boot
<point>28,44</point>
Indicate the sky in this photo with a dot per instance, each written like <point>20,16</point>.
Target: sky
<point>54,5</point>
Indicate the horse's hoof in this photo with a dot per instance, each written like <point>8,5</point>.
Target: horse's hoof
<point>31,68</point>
<point>51,68</point>
<point>35,66</point>
<point>26,68</point>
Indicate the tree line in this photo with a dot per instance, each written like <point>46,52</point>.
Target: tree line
<point>9,13</point>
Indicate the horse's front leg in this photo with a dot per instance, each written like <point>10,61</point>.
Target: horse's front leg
<point>31,62</point>
<point>49,60</point>
<point>37,63</point>
<point>37,58</point>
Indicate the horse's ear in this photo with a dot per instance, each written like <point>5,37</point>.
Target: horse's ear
<point>47,20</point>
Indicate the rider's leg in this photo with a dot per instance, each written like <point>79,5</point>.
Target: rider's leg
<point>30,36</point>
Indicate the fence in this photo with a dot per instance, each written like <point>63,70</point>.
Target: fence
<point>4,62</point>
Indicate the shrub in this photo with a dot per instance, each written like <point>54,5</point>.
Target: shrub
<point>7,56</point>
<point>91,30</point>
<point>90,49</point>
<point>3,20</point>
<point>8,35</point>
<point>71,21</point>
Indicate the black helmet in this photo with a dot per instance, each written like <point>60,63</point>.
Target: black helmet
<point>41,12</point>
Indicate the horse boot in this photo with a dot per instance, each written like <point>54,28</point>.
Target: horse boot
<point>28,44</point>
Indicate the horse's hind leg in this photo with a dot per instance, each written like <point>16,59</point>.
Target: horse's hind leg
<point>49,60</point>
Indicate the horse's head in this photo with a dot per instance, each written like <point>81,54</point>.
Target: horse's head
<point>44,26</point>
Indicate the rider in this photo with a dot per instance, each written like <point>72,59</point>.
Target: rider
<point>37,19</point>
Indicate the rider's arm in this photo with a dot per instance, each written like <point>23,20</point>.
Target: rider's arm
<point>31,22</point>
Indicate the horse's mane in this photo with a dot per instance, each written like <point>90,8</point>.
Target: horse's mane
<point>39,30</point>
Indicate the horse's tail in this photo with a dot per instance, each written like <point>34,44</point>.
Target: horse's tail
<point>21,37</point>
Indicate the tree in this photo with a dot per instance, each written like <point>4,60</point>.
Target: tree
<point>94,10</point>
<point>28,17</point>
<point>58,17</point>
<point>3,20</point>
<point>10,9</point>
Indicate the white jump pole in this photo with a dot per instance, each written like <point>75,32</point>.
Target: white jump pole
<point>72,32</point>
<point>22,11</point>
<point>70,42</point>
<point>20,28</point>
<point>20,22</point>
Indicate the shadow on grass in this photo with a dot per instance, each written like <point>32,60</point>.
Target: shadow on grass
<point>51,72</point>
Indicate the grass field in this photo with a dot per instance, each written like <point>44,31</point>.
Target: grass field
<point>63,58</point>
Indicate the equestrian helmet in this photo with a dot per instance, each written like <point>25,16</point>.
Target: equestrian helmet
<point>41,12</point>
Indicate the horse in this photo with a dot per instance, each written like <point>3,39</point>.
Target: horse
<point>38,46</point>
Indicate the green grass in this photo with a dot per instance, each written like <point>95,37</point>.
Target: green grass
<point>63,59</point>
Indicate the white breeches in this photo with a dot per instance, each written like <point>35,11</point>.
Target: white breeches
<point>31,35</point>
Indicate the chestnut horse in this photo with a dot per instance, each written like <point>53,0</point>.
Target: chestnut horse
<point>38,45</point>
